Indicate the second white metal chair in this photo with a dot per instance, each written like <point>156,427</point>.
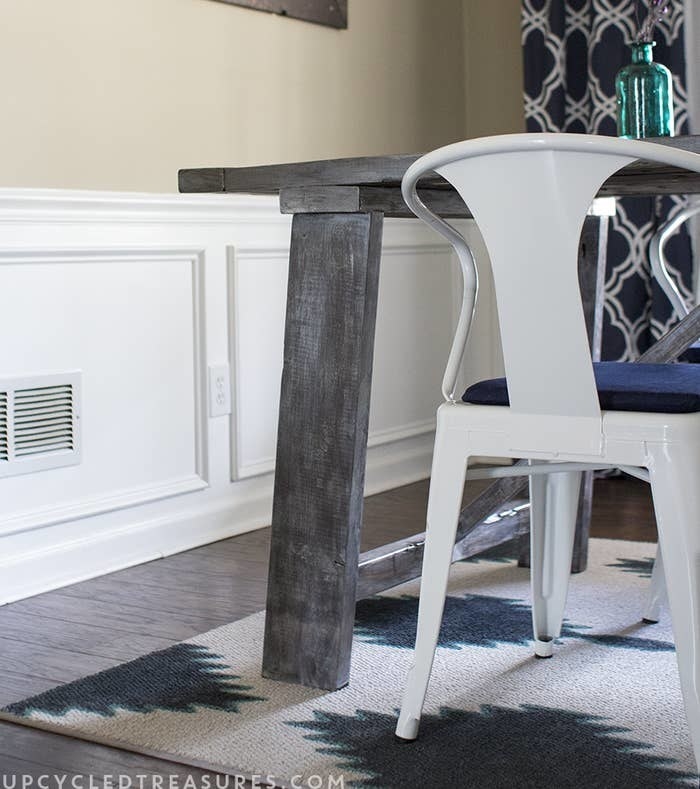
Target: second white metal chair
<point>660,269</point>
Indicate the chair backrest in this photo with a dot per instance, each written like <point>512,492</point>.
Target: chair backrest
<point>659,264</point>
<point>529,194</point>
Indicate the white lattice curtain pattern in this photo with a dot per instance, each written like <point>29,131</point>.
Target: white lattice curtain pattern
<point>572,50</point>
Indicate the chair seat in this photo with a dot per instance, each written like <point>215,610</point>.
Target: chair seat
<point>692,354</point>
<point>622,386</point>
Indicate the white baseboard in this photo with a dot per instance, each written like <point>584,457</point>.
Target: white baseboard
<point>44,570</point>
<point>388,466</point>
<point>391,465</point>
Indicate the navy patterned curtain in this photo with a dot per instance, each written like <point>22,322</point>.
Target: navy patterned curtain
<point>572,50</point>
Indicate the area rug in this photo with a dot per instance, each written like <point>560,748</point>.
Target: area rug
<point>606,711</point>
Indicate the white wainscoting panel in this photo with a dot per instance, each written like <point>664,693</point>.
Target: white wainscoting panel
<point>415,320</point>
<point>131,320</point>
<point>257,288</point>
<point>142,294</point>
<point>414,326</point>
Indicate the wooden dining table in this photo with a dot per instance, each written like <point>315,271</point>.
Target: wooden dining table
<point>316,570</point>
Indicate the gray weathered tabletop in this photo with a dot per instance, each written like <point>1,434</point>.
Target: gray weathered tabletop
<point>373,173</point>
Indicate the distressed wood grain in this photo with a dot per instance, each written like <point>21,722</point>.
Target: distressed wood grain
<point>317,199</point>
<point>321,447</point>
<point>638,178</point>
<point>676,340</point>
<point>119,616</point>
<point>402,560</point>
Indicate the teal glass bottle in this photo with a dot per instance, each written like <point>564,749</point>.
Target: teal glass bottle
<point>644,96</point>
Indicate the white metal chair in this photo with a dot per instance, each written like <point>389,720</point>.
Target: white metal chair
<point>529,194</point>
<point>659,267</point>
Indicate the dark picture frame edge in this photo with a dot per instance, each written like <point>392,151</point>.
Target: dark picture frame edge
<point>331,13</point>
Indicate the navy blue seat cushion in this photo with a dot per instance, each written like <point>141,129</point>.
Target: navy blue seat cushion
<point>691,354</point>
<point>622,386</point>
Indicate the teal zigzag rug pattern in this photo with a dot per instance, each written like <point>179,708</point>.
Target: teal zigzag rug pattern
<point>606,711</point>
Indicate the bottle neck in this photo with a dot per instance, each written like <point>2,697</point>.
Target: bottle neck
<point>642,52</point>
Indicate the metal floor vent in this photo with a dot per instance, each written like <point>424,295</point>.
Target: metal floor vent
<point>3,426</point>
<point>39,423</point>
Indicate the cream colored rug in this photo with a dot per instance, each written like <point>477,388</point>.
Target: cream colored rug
<point>606,711</point>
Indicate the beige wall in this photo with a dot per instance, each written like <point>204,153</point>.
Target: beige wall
<point>493,68</point>
<point>100,94</point>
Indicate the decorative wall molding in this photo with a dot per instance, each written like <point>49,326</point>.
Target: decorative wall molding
<point>38,518</point>
<point>58,206</point>
<point>98,505</point>
<point>399,461</point>
<point>45,546</point>
<point>241,467</point>
<point>389,250</point>
<point>139,540</point>
<point>378,438</point>
<point>92,254</point>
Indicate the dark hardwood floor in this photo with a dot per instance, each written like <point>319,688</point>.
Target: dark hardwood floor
<point>59,636</point>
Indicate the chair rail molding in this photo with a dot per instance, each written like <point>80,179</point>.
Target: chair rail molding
<point>143,294</point>
<point>58,206</point>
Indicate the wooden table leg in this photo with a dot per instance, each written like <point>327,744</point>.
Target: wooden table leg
<point>321,447</point>
<point>591,272</point>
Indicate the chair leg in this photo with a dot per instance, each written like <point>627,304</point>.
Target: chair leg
<point>444,504</point>
<point>674,472</point>
<point>657,591</point>
<point>553,510</point>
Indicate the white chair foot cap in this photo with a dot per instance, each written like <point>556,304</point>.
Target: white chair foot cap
<point>407,729</point>
<point>544,649</point>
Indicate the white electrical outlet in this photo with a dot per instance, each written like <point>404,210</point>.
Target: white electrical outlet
<point>219,390</point>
